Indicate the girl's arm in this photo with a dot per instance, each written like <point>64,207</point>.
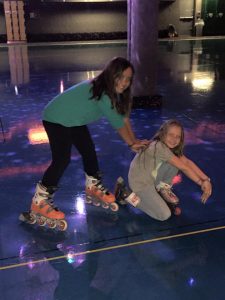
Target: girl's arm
<point>131,133</point>
<point>129,129</point>
<point>195,168</point>
<point>128,136</point>
<point>192,171</point>
<point>129,139</point>
<point>125,135</point>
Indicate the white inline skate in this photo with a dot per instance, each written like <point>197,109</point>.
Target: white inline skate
<point>43,212</point>
<point>165,191</point>
<point>97,194</point>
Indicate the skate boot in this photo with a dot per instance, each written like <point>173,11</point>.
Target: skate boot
<point>124,195</point>
<point>98,195</point>
<point>165,191</point>
<point>43,212</point>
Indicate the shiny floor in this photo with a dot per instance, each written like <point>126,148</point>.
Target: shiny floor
<point>105,255</point>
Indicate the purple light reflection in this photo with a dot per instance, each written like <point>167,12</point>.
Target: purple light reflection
<point>80,206</point>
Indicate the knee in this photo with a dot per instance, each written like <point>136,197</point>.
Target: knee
<point>159,213</point>
<point>164,215</point>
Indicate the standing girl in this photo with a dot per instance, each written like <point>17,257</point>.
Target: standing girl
<point>152,171</point>
<point>65,120</point>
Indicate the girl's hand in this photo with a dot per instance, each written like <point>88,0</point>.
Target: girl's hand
<point>143,142</point>
<point>138,146</point>
<point>206,187</point>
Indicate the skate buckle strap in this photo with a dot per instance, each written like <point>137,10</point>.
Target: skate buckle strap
<point>163,185</point>
<point>101,187</point>
<point>52,205</point>
<point>48,201</point>
<point>166,193</point>
<point>46,196</point>
<point>133,199</point>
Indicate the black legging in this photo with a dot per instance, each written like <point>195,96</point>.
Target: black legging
<point>61,139</point>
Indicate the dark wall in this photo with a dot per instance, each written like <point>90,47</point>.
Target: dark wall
<point>179,13</point>
<point>213,13</point>
<point>73,18</point>
<point>60,21</point>
<point>2,20</point>
<point>47,21</point>
<point>168,14</point>
<point>85,21</point>
<point>69,21</point>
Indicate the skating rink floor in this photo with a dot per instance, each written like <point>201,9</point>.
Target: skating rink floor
<point>105,255</point>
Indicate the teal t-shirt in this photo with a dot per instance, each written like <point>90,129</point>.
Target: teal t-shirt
<point>75,108</point>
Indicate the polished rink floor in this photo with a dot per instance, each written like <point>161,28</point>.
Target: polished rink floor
<point>105,255</point>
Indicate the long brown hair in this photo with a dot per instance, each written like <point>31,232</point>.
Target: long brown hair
<point>163,130</point>
<point>105,83</point>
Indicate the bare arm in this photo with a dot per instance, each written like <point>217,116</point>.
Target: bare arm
<point>128,136</point>
<point>132,134</point>
<point>192,171</point>
<point>125,135</point>
<point>129,129</point>
<point>195,168</point>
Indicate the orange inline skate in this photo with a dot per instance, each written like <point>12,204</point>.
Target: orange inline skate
<point>97,194</point>
<point>43,212</point>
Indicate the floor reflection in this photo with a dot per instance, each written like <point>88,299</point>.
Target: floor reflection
<point>65,266</point>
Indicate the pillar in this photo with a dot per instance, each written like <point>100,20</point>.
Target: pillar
<point>142,45</point>
<point>15,21</point>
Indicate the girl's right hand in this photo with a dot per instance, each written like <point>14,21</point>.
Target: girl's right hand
<point>143,142</point>
<point>138,146</point>
<point>206,187</point>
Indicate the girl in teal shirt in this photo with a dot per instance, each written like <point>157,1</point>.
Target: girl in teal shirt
<point>65,120</point>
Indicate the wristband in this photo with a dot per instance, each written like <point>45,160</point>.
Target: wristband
<point>207,179</point>
<point>201,181</point>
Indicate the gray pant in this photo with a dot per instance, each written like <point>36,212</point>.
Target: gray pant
<point>151,202</point>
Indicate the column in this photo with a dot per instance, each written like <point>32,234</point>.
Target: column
<point>15,21</point>
<point>142,46</point>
